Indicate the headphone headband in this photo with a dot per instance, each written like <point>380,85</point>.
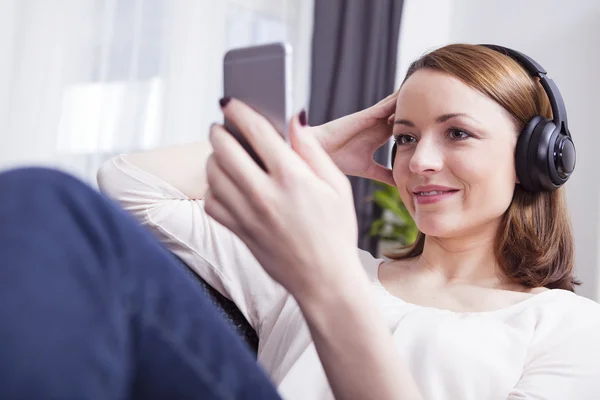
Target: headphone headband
<point>559,111</point>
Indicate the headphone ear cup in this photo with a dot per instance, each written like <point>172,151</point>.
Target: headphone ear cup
<point>393,154</point>
<point>536,167</point>
<point>564,159</point>
<point>523,154</point>
<point>541,155</point>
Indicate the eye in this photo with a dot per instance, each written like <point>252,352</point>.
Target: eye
<point>458,134</point>
<point>404,139</point>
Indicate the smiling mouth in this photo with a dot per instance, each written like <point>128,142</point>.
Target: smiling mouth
<point>434,192</point>
<point>433,196</point>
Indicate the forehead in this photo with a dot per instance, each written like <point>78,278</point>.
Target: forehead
<point>429,93</point>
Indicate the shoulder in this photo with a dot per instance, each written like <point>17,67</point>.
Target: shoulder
<point>567,319</point>
<point>564,356</point>
<point>563,304</point>
<point>370,263</point>
<point>557,307</point>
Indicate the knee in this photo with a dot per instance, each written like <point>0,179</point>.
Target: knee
<point>47,200</point>
<point>33,181</point>
<point>37,188</point>
<point>48,203</point>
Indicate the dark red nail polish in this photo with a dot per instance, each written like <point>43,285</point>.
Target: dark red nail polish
<point>302,118</point>
<point>224,101</point>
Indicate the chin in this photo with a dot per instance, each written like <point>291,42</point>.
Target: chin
<point>456,225</point>
<point>438,226</point>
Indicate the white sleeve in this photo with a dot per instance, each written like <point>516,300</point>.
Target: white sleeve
<point>565,362</point>
<point>184,228</point>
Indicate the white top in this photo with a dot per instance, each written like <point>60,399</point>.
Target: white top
<point>545,347</point>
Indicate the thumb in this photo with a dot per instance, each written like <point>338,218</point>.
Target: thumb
<point>380,173</point>
<point>310,150</point>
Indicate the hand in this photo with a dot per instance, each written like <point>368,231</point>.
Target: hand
<point>351,141</point>
<point>298,219</point>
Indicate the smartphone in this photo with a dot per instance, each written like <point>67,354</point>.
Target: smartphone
<point>261,77</point>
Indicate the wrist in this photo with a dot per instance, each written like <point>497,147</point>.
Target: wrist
<point>343,289</point>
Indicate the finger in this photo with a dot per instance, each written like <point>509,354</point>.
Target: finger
<point>391,119</point>
<point>365,118</point>
<point>235,161</point>
<point>227,194</point>
<point>380,173</point>
<point>260,134</point>
<point>387,107</point>
<point>219,213</point>
<point>390,96</point>
<point>313,154</point>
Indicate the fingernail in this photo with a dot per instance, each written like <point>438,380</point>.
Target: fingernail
<point>302,118</point>
<point>224,101</point>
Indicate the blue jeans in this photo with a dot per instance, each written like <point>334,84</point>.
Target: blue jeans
<point>93,307</point>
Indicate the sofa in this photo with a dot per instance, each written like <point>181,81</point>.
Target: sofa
<point>229,311</point>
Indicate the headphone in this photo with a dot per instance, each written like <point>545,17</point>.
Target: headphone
<point>545,152</point>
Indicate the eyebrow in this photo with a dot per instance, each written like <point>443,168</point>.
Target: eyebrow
<point>439,120</point>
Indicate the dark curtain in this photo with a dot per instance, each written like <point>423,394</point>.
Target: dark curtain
<point>354,50</point>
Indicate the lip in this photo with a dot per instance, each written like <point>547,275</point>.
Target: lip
<point>445,193</point>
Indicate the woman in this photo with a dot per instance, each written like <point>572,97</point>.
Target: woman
<point>459,316</point>
<point>470,319</point>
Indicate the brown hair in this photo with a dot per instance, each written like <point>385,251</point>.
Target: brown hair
<point>534,245</point>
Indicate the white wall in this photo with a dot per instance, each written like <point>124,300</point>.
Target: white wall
<point>565,41</point>
<point>425,25</point>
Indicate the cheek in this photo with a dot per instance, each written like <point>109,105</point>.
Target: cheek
<point>402,175</point>
<point>489,180</point>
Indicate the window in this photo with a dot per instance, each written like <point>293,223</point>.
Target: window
<point>148,61</point>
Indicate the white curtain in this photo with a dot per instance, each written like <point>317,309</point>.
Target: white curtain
<point>83,80</point>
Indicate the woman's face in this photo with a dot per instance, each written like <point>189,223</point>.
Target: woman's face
<point>454,165</point>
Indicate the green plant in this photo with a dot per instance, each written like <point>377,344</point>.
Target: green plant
<point>395,223</point>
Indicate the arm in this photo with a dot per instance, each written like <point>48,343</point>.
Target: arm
<point>350,141</point>
<point>182,166</point>
<point>180,223</point>
<point>299,221</point>
<point>354,344</point>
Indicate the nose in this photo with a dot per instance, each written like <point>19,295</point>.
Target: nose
<point>427,158</point>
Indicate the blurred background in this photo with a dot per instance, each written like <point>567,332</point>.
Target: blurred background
<point>84,80</point>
